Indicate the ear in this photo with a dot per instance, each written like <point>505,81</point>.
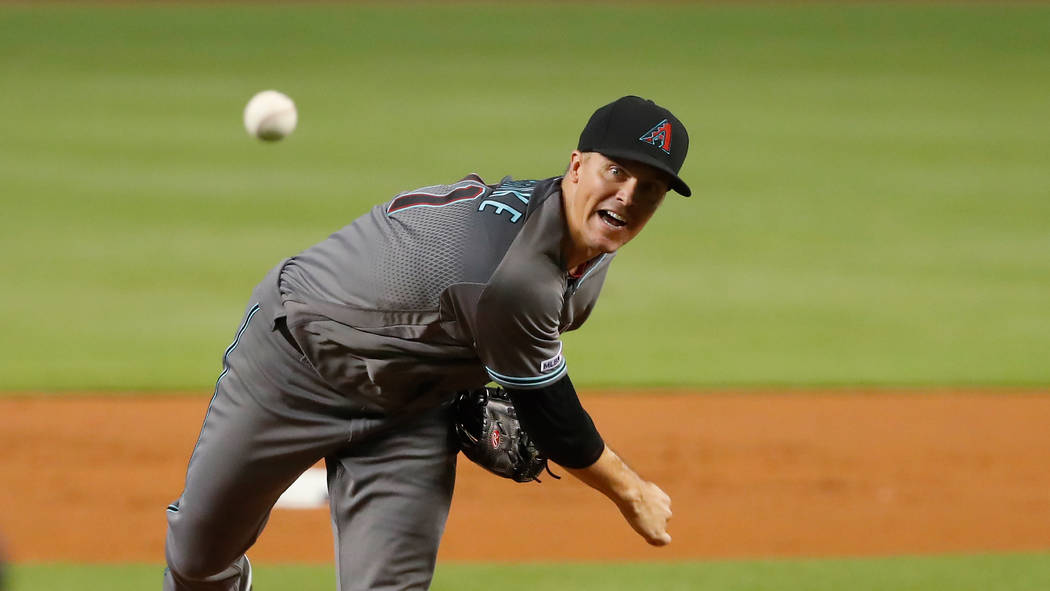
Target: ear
<point>575,163</point>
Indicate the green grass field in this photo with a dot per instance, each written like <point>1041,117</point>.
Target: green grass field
<point>1022,572</point>
<point>871,180</point>
<point>872,204</point>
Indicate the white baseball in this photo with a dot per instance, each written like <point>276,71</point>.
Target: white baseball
<point>270,115</point>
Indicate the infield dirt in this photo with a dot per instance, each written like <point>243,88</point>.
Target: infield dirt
<point>751,475</point>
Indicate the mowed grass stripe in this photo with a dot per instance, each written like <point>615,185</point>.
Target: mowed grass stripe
<point>1013,572</point>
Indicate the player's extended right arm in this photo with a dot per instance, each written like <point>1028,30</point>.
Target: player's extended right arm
<point>564,432</point>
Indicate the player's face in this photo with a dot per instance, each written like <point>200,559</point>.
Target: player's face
<point>610,202</point>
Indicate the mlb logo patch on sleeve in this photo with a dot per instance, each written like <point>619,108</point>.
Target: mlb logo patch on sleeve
<point>553,363</point>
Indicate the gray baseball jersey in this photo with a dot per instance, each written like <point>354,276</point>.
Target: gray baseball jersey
<point>443,288</point>
<point>348,351</point>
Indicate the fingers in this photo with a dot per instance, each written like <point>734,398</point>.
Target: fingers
<point>653,512</point>
<point>658,537</point>
<point>663,504</point>
<point>661,540</point>
<point>661,537</point>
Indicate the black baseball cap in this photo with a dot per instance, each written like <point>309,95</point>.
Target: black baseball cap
<point>638,129</point>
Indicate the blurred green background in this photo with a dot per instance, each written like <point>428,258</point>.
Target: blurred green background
<point>872,182</point>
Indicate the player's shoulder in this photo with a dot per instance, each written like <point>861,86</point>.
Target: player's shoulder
<point>532,266</point>
<point>508,201</point>
<point>468,188</point>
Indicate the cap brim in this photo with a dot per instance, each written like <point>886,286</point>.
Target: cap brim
<point>677,184</point>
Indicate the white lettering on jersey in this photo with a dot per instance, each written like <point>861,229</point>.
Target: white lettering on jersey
<point>552,363</point>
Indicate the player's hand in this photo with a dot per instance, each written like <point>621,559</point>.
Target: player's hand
<point>645,507</point>
<point>648,513</point>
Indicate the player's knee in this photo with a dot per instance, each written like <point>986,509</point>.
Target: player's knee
<point>192,560</point>
<point>196,567</point>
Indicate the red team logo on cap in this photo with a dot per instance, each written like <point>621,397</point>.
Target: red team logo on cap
<point>494,438</point>
<point>659,136</point>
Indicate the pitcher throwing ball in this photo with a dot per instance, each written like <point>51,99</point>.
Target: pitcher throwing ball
<point>354,350</point>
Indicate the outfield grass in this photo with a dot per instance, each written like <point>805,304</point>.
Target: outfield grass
<point>1026,572</point>
<point>871,180</point>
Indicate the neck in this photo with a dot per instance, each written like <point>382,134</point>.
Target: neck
<point>575,262</point>
<point>572,253</point>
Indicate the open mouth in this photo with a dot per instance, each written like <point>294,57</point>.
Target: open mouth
<point>612,219</point>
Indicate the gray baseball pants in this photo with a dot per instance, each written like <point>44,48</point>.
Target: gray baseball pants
<point>390,477</point>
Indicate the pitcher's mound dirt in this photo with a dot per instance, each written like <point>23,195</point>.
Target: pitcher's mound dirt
<point>750,475</point>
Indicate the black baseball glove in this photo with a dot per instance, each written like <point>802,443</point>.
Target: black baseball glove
<point>490,435</point>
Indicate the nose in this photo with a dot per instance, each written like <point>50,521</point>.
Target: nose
<point>626,193</point>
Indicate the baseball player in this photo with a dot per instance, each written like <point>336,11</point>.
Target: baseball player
<point>353,350</point>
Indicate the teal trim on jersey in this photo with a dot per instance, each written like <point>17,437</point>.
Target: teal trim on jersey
<point>233,345</point>
<point>596,264</point>
<point>574,284</point>
<point>215,392</point>
<point>529,383</point>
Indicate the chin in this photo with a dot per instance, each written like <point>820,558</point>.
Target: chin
<point>607,246</point>
<point>598,239</point>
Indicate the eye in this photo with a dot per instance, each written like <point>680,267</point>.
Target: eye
<point>616,171</point>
